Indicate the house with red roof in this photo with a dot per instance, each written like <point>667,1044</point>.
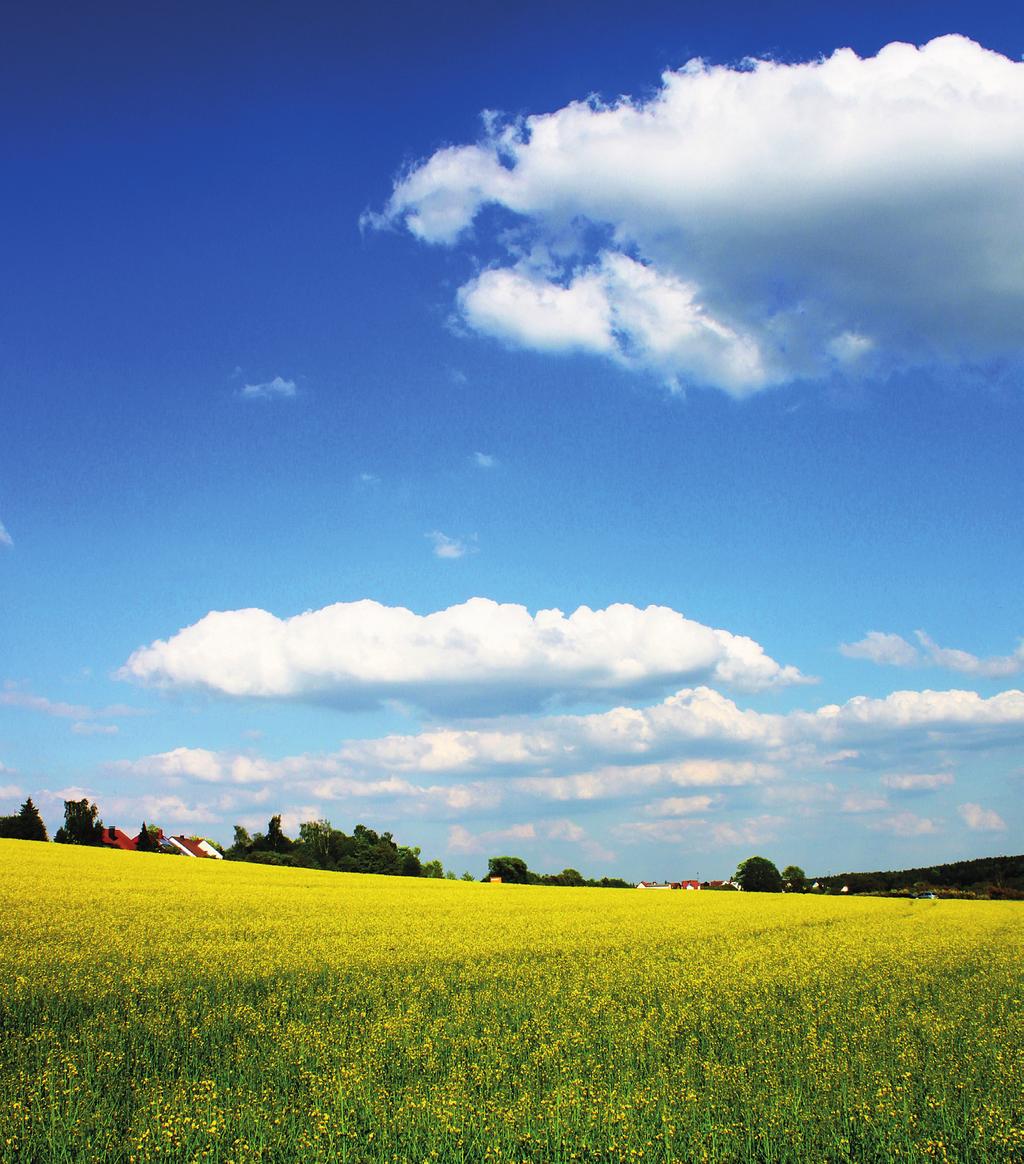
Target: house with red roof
<point>113,838</point>
<point>195,847</point>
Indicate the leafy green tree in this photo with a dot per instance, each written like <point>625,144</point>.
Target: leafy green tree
<point>566,877</point>
<point>433,869</point>
<point>510,869</point>
<point>277,842</point>
<point>758,875</point>
<point>147,842</point>
<point>795,878</point>
<point>241,846</point>
<point>82,824</point>
<point>467,876</point>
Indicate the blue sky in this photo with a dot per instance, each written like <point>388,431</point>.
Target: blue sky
<point>408,308</point>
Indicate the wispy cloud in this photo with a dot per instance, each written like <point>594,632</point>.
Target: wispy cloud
<point>917,781</point>
<point>14,694</point>
<point>905,824</point>
<point>276,389</point>
<point>448,547</point>
<point>484,460</point>
<point>893,650</point>
<point>5,537</point>
<point>95,729</point>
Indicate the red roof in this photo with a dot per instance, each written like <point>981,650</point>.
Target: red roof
<point>115,839</point>
<point>190,845</point>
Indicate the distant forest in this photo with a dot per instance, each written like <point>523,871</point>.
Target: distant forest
<point>997,877</point>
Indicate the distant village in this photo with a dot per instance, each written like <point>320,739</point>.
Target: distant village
<point>113,838</point>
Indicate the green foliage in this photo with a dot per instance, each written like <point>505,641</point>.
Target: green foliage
<point>984,876</point>
<point>511,870</point>
<point>795,878</point>
<point>758,875</point>
<point>433,869</point>
<point>277,842</point>
<point>82,824</point>
<point>147,842</point>
<point>24,825</point>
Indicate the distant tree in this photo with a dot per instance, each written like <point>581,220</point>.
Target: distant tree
<point>277,842</point>
<point>25,825</point>
<point>758,875</point>
<point>510,869</point>
<point>566,877</point>
<point>32,826</point>
<point>467,876</point>
<point>449,875</point>
<point>433,869</point>
<point>82,824</point>
<point>409,864</point>
<point>241,846</point>
<point>316,840</point>
<point>795,878</point>
<point>147,842</point>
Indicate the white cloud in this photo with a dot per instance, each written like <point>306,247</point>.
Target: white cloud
<point>15,695</point>
<point>10,791</point>
<point>95,729</point>
<point>276,389</point>
<point>894,651</point>
<point>981,819</point>
<point>757,224</point>
<point>484,460</point>
<point>864,802</point>
<point>476,656</point>
<point>995,667</point>
<point>917,781</point>
<point>877,647</point>
<point>448,547</point>
<point>701,834</point>
<point>681,805</point>
<point>905,824</point>
<point>5,537</point>
<point>696,738</point>
<point>461,840</point>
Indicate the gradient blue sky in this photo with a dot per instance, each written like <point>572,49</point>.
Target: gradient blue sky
<point>264,348</point>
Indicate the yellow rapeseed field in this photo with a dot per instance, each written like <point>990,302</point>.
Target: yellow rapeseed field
<point>168,1009</point>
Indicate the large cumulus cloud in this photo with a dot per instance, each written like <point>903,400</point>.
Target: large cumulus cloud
<point>751,225</point>
<point>476,657</point>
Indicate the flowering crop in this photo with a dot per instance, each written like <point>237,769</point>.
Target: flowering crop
<point>157,1009</point>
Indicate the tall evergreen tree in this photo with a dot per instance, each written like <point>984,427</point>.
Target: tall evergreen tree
<point>32,827</point>
<point>147,842</point>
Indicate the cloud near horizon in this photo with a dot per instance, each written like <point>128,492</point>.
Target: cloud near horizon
<point>695,739</point>
<point>478,657</point>
<point>750,225</point>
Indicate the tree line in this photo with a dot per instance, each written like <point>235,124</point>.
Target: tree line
<point>514,871</point>
<point>319,845</point>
